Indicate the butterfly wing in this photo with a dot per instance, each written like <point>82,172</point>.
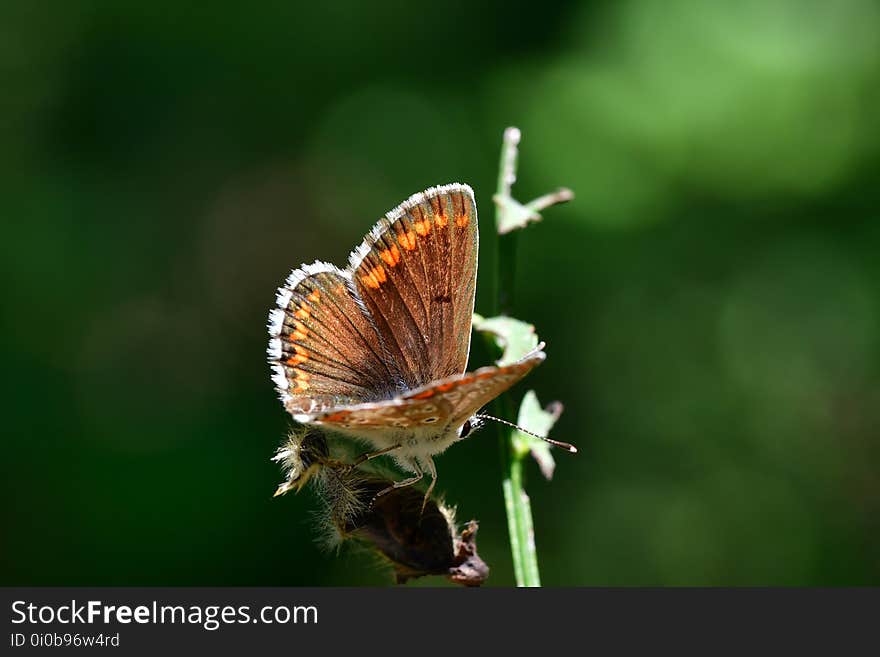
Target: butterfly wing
<point>324,349</point>
<point>416,273</point>
<point>466,394</point>
<point>448,402</point>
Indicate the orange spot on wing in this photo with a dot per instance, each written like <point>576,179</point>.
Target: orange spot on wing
<point>314,296</point>
<point>391,256</point>
<point>407,240</point>
<point>300,331</point>
<point>422,227</point>
<point>462,220</point>
<point>441,220</point>
<point>301,379</point>
<point>375,277</point>
<point>446,386</point>
<point>335,417</point>
<point>302,355</point>
<point>423,395</point>
<point>302,313</point>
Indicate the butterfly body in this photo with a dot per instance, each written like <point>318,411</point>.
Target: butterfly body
<point>378,351</point>
<point>417,446</point>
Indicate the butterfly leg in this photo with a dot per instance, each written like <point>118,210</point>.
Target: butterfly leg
<point>402,484</point>
<point>370,456</point>
<point>432,470</point>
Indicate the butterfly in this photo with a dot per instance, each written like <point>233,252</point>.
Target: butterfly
<point>378,351</point>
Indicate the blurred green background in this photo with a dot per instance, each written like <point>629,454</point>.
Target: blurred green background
<point>710,300</point>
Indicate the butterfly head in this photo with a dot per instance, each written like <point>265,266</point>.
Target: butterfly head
<point>470,425</point>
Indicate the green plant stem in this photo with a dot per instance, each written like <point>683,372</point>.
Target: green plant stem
<point>516,502</point>
<point>506,254</point>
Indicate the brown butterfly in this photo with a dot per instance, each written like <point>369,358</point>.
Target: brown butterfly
<point>378,351</point>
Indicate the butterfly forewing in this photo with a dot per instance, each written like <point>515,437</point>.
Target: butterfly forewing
<point>325,350</point>
<point>416,273</point>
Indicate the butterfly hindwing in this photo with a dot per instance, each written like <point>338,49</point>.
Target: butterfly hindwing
<point>416,273</point>
<point>467,394</point>
<point>325,350</point>
<point>448,402</point>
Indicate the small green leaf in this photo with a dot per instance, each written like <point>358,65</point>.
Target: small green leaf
<point>513,337</point>
<point>512,214</point>
<point>537,420</point>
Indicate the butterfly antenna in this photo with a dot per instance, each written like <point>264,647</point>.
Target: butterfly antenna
<point>566,446</point>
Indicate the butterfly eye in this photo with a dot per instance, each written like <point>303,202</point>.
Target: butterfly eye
<point>466,428</point>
